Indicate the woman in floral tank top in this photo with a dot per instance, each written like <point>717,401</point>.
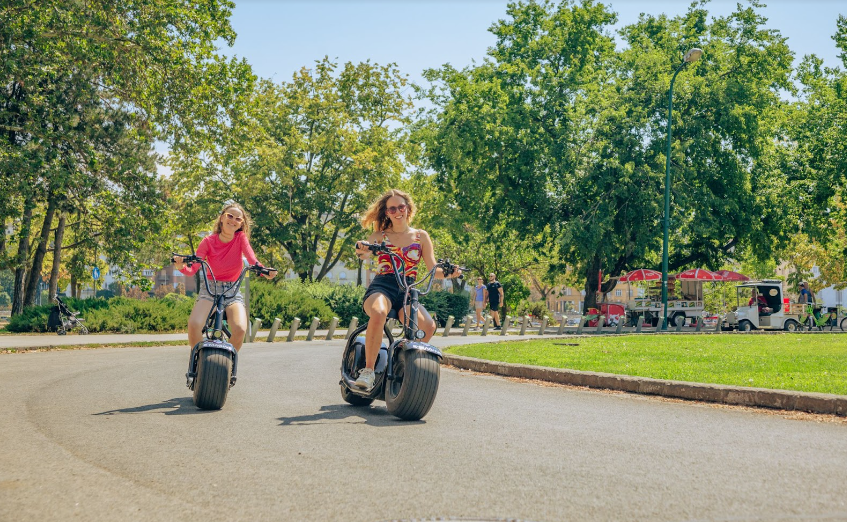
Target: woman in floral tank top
<point>391,216</point>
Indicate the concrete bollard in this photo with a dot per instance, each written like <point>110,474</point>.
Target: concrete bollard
<point>621,321</point>
<point>506,322</point>
<point>640,324</point>
<point>254,329</point>
<point>524,323</point>
<point>467,327</point>
<point>331,330</point>
<point>274,327</point>
<point>601,322</point>
<point>562,325</point>
<point>699,324</point>
<point>543,325</point>
<point>447,326</point>
<point>294,325</point>
<point>583,322</point>
<point>354,322</point>
<point>679,325</point>
<point>486,325</point>
<point>312,328</point>
<point>718,328</point>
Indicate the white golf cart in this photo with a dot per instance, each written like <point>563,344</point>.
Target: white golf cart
<point>761,306</point>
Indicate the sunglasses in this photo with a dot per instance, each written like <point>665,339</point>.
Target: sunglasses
<point>234,218</point>
<point>394,210</point>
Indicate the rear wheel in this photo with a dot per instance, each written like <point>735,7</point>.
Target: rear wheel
<point>351,369</point>
<point>791,325</point>
<point>412,392</point>
<point>678,320</point>
<point>214,369</point>
<point>844,325</point>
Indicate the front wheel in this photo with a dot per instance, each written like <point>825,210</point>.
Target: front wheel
<point>791,325</point>
<point>745,326</point>
<point>412,392</point>
<point>214,369</point>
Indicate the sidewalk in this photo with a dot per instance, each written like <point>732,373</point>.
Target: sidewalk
<point>820,403</point>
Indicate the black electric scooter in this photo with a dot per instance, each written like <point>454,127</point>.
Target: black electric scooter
<point>407,370</point>
<point>214,361</point>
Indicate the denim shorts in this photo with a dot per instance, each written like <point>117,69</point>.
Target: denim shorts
<point>219,288</point>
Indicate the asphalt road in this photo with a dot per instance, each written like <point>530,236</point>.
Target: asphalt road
<point>111,434</point>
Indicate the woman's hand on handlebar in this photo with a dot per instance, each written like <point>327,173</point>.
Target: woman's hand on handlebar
<point>363,250</point>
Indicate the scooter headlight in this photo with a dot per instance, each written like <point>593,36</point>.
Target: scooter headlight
<point>420,334</point>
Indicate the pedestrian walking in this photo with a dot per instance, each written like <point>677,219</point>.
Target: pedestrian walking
<point>494,296</point>
<point>479,300</point>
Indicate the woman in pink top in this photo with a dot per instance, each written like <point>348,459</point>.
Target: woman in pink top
<point>223,250</point>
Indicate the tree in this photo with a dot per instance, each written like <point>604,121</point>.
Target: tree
<point>327,144</point>
<point>558,129</point>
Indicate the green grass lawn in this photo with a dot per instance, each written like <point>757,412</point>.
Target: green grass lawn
<point>811,363</point>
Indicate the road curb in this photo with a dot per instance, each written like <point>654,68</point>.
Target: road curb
<point>757,397</point>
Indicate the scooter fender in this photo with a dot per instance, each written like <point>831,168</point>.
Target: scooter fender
<point>405,344</point>
<point>208,344</point>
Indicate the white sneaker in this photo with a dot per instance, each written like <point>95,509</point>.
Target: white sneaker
<point>366,379</point>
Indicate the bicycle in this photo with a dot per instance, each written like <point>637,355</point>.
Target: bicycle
<point>407,370</point>
<point>810,320</point>
<point>213,362</point>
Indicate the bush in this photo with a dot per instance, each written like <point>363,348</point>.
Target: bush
<point>442,304</point>
<point>537,309</point>
<point>34,318</point>
<point>125,315</point>
<point>286,301</point>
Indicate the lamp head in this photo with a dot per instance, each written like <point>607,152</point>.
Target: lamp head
<point>693,55</point>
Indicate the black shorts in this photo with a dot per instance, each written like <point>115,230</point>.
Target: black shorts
<point>386,284</point>
<point>494,306</point>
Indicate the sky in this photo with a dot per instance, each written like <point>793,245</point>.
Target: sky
<point>278,37</point>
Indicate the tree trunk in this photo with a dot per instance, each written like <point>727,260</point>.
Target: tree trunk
<point>73,286</point>
<point>57,256</point>
<point>21,260</point>
<point>38,261</point>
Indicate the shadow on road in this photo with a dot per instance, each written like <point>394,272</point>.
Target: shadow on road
<point>176,406</point>
<point>346,414</point>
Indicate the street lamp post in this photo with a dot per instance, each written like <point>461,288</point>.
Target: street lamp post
<point>691,56</point>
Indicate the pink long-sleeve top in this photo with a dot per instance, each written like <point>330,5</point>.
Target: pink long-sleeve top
<point>224,258</point>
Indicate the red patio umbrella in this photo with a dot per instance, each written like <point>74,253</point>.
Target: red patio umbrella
<point>699,274</point>
<point>729,275</point>
<point>642,274</point>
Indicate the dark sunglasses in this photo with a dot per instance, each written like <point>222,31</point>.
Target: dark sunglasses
<point>394,210</point>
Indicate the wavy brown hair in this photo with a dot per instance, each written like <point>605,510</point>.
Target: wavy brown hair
<point>245,225</point>
<point>377,216</point>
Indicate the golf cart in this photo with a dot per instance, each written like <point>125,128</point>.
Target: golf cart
<point>762,306</point>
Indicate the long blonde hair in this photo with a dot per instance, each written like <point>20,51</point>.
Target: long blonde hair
<point>245,225</point>
<point>377,216</point>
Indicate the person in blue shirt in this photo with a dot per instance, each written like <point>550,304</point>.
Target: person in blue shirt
<point>806,295</point>
<point>479,301</point>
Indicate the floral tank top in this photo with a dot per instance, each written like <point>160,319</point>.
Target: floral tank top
<point>410,254</point>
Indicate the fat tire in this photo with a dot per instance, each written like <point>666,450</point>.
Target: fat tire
<point>211,385</point>
<point>421,374</point>
<point>791,325</point>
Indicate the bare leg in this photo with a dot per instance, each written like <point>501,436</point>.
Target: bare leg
<point>236,319</point>
<point>478,315</point>
<point>377,307</point>
<point>197,320</point>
